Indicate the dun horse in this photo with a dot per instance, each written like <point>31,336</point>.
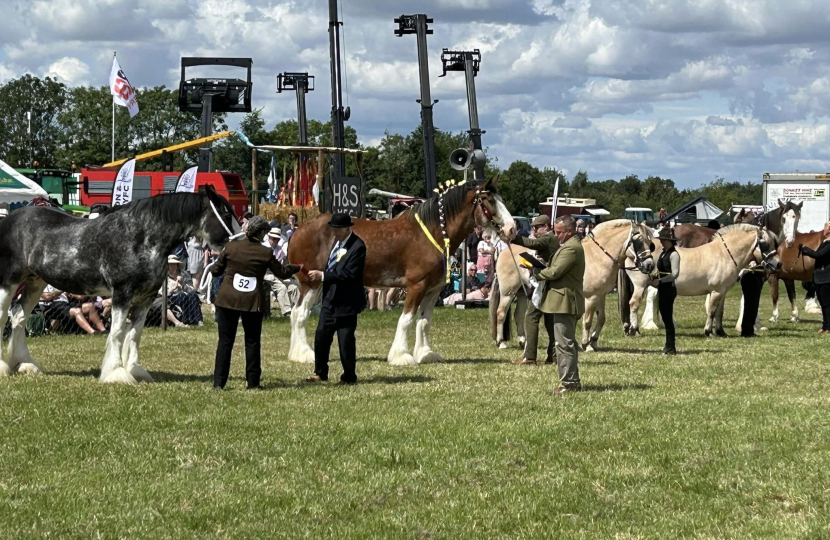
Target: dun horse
<point>123,253</point>
<point>409,251</point>
<point>611,246</point>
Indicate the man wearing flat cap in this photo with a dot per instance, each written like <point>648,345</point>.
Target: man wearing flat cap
<point>343,299</point>
<point>545,243</point>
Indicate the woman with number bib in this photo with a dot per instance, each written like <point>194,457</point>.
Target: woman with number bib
<point>241,296</point>
<point>664,278</point>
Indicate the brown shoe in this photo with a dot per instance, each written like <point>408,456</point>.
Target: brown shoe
<point>524,362</point>
<point>314,378</point>
<point>568,389</point>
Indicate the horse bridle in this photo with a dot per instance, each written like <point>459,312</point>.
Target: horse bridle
<point>231,236</point>
<point>754,247</point>
<point>640,253</point>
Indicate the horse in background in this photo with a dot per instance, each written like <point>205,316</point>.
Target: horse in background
<point>122,253</point>
<point>796,267</point>
<point>509,286</point>
<point>401,252</point>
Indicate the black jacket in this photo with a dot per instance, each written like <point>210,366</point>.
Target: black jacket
<point>821,275</point>
<point>343,284</point>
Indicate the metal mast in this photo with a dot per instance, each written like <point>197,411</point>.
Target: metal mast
<point>468,62</point>
<point>338,115</point>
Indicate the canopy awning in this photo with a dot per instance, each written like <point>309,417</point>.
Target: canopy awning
<point>707,210</point>
<point>598,211</point>
<point>16,188</point>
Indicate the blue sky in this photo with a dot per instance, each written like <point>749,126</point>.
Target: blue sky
<point>685,89</point>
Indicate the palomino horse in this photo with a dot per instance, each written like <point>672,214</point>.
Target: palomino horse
<point>607,249</point>
<point>712,269</point>
<point>507,288</point>
<point>123,253</point>
<point>402,252</point>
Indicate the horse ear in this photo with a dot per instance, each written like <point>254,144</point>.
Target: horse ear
<point>210,190</point>
<point>781,204</point>
<point>799,205</point>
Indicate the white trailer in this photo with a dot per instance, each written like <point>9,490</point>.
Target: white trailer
<point>810,188</point>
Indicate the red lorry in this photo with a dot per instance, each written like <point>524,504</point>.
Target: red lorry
<point>96,186</point>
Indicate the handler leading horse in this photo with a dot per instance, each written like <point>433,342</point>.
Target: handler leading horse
<point>123,253</point>
<point>409,251</point>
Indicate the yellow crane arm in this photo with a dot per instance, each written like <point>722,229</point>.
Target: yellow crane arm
<point>175,148</point>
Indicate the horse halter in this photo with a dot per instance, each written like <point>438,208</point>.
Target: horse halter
<point>231,236</point>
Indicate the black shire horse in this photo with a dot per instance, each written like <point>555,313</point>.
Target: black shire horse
<point>123,253</point>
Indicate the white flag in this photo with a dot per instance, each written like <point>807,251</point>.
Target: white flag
<point>187,181</point>
<point>122,91</point>
<point>272,182</point>
<point>555,200</point>
<point>122,190</point>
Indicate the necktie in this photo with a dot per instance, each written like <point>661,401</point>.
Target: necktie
<point>333,256</point>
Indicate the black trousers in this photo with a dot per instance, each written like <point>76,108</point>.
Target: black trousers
<point>823,295</point>
<point>228,322</point>
<point>751,285</point>
<point>667,294</point>
<point>344,327</point>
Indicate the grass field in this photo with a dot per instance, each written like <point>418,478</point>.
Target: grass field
<point>729,439</point>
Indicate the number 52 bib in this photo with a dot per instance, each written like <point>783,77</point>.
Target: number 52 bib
<point>244,283</point>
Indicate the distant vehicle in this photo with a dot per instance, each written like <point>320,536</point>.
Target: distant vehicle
<point>812,189</point>
<point>59,184</point>
<point>96,186</point>
<point>639,214</point>
<point>522,223</point>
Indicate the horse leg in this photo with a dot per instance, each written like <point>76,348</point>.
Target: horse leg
<point>422,353</point>
<point>113,369</point>
<point>773,292</point>
<point>712,301</point>
<point>19,358</point>
<point>633,310</point>
<point>501,315</point>
<point>521,311</point>
<point>719,331</point>
<point>651,318</point>
<point>811,304</point>
<point>399,352</point>
<point>740,315</point>
<point>300,350</point>
<point>790,286</point>
<point>587,322</point>
<point>600,323</point>
<point>5,301</point>
<point>132,342</point>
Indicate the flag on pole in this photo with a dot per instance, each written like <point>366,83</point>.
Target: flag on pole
<point>555,200</point>
<point>272,182</point>
<point>187,181</point>
<point>122,190</point>
<point>121,89</point>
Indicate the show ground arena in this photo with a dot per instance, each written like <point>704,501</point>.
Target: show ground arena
<point>729,439</point>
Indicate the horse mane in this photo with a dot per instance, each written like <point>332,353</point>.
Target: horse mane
<point>454,200</point>
<point>738,227</point>
<point>170,207</point>
<point>613,224</point>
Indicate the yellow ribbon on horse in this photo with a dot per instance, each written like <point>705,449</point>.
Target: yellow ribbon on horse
<point>445,254</point>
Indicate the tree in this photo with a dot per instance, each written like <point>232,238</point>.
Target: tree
<point>45,99</point>
<point>523,187</point>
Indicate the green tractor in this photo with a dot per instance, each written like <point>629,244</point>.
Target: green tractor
<point>61,185</point>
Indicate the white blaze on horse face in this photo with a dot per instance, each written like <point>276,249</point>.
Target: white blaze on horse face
<point>789,226</point>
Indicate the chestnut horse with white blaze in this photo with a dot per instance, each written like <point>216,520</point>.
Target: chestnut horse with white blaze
<point>409,251</point>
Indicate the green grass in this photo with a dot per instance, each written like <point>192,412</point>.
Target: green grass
<point>730,439</point>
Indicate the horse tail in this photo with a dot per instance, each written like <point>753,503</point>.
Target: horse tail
<point>495,299</point>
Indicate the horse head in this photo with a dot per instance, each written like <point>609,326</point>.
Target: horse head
<point>766,251</point>
<point>491,213</point>
<point>219,223</point>
<point>790,216</point>
<point>640,247</point>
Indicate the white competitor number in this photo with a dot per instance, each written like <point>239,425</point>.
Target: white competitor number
<point>244,283</point>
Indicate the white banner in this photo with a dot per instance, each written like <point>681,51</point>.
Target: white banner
<point>121,89</point>
<point>122,190</point>
<point>815,211</point>
<point>555,201</point>
<point>187,181</point>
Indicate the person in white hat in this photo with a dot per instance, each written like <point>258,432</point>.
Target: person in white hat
<point>286,291</point>
<point>180,294</point>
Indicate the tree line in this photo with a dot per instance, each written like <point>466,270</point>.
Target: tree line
<point>72,127</point>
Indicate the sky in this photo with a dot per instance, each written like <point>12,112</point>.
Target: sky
<point>684,89</point>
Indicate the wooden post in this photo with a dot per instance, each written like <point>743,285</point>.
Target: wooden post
<point>254,185</point>
<point>320,172</point>
<point>295,183</point>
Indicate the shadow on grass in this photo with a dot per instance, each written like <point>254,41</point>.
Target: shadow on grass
<point>658,352</point>
<point>158,376</point>
<point>614,387</point>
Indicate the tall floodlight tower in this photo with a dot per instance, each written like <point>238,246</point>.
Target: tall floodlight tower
<point>417,24</point>
<point>468,62</point>
<point>302,84</point>
<point>338,114</point>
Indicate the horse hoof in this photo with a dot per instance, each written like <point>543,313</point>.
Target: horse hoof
<point>763,329</point>
<point>140,374</point>
<point>28,368</point>
<point>721,333</point>
<point>650,326</point>
<point>521,343</point>
<point>794,319</point>
<point>591,347</point>
<point>707,333</point>
<point>5,370</point>
<point>773,319</point>
<point>119,376</point>
<point>430,357</point>
<point>401,359</point>
<point>304,357</point>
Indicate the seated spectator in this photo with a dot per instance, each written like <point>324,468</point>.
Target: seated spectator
<point>196,260</point>
<point>285,291</point>
<point>473,282</point>
<point>479,294</point>
<point>180,294</point>
<point>69,312</point>
<point>289,228</point>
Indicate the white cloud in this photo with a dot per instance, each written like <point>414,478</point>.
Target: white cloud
<point>69,70</point>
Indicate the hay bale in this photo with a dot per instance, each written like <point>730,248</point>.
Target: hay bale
<point>272,212</point>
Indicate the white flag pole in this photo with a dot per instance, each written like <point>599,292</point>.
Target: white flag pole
<point>113,121</point>
<point>555,200</point>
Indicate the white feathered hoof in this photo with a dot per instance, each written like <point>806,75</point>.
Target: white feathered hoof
<point>812,307</point>
<point>737,327</point>
<point>591,347</point>
<point>28,368</point>
<point>650,326</point>
<point>794,319</point>
<point>521,343</point>
<point>119,376</point>
<point>773,319</point>
<point>5,370</point>
<point>429,357</point>
<point>401,358</point>
<point>140,374</point>
<point>304,356</point>
<point>502,345</point>
<point>763,329</point>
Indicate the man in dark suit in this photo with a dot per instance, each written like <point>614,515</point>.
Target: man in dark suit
<point>343,299</point>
